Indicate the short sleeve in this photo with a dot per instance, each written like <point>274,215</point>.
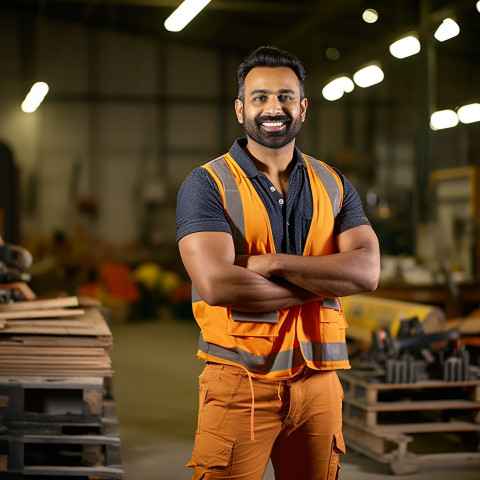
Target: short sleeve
<point>351,214</point>
<point>199,206</point>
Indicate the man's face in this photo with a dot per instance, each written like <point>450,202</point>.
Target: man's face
<point>272,112</point>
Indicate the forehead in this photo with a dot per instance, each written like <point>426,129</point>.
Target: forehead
<point>271,78</point>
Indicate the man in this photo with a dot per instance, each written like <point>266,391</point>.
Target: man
<point>270,239</point>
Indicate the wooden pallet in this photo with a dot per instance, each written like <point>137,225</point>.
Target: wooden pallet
<point>61,455</point>
<point>107,425</point>
<point>51,399</point>
<point>410,425</point>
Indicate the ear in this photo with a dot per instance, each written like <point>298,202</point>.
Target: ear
<point>303,108</point>
<point>239,110</point>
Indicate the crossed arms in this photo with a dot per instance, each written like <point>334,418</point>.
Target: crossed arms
<point>262,283</point>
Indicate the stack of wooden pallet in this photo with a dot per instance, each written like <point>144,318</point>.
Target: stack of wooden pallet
<point>61,336</point>
<point>412,425</point>
<point>57,414</point>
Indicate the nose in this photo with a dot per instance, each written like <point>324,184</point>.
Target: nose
<point>273,106</point>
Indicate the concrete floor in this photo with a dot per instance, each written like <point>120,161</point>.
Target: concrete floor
<point>155,385</point>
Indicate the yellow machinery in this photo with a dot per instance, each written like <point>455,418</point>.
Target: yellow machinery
<point>366,313</point>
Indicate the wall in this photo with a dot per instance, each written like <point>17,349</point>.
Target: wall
<point>128,117</point>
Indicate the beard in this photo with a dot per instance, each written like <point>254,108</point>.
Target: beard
<point>276,139</point>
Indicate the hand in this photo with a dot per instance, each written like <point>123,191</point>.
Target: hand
<point>261,264</point>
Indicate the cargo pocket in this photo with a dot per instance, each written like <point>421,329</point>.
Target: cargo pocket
<point>212,451</point>
<point>338,448</point>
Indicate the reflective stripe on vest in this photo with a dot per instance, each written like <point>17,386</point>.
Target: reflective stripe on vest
<point>328,181</point>
<point>233,203</point>
<point>284,360</point>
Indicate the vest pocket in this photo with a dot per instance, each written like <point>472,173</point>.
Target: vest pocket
<point>332,325</point>
<point>253,324</point>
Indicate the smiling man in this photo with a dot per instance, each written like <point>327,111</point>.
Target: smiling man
<point>271,239</point>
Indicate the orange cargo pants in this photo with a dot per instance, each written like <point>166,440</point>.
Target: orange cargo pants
<point>297,423</point>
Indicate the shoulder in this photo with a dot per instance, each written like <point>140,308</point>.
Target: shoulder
<point>199,205</point>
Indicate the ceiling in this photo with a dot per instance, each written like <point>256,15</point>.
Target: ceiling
<point>306,27</point>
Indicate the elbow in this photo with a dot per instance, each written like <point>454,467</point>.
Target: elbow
<point>372,278</point>
<point>210,295</point>
<point>371,284</point>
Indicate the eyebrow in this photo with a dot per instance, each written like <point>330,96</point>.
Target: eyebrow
<point>281,91</point>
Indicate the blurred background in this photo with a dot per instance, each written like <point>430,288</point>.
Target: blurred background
<point>88,180</point>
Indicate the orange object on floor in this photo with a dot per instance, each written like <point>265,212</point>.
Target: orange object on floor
<point>119,281</point>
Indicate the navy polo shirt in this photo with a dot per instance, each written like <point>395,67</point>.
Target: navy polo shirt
<point>200,207</point>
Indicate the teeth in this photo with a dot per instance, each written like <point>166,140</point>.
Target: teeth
<point>272,124</point>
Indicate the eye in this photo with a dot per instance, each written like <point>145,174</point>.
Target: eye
<point>284,98</point>
<point>259,98</point>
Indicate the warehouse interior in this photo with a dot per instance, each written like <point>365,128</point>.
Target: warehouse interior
<point>88,185</point>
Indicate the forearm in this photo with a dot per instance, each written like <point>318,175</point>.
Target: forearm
<point>209,259</point>
<point>354,269</point>
<point>335,275</point>
<point>247,291</point>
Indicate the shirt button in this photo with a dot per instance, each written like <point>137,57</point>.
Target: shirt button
<point>272,189</point>
<point>280,201</point>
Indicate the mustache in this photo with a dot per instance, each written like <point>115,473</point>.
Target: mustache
<point>273,118</point>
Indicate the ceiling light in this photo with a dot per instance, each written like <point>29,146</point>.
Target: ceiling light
<point>447,30</point>
<point>443,119</point>
<point>370,15</point>
<point>336,88</point>
<point>34,97</point>
<point>469,113</point>
<point>405,47</point>
<point>478,6</point>
<point>368,76</point>
<point>184,14</point>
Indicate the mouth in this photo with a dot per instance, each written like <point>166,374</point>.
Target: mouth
<point>273,124</point>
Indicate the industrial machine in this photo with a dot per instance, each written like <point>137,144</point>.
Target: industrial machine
<point>14,263</point>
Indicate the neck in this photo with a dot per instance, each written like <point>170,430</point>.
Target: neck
<point>274,163</point>
<point>270,160</point>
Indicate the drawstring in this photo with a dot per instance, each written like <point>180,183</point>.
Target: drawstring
<point>252,406</point>
<point>278,392</point>
<point>252,410</point>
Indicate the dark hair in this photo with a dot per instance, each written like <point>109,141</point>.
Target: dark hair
<point>270,57</point>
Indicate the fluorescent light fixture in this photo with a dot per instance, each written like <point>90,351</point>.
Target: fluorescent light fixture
<point>184,14</point>
<point>443,119</point>
<point>368,76</point>
<point>447,30</point>
<point>34,97</point>
<point>405,47</point>
<point>469,113</point>
<point>336,88</point>
<point>370,15</point>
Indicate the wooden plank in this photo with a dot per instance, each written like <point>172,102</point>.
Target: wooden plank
<point>63,372</point>
<point>91,323</point>
<point>46,361</point>
<point>374,444</point>
<point>57,340</point>
<point>452,404</point>
<point>38,304</point>
<point>47,313</point>
<point>46,382</point>
<point>94,471</point>
<point>381,386</point>
<point>432,427</point>
<point>14,350</point>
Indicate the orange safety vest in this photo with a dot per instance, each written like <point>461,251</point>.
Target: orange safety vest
<point>274,345</point>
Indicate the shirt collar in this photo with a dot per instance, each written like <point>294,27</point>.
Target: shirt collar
<point>245,162</point>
